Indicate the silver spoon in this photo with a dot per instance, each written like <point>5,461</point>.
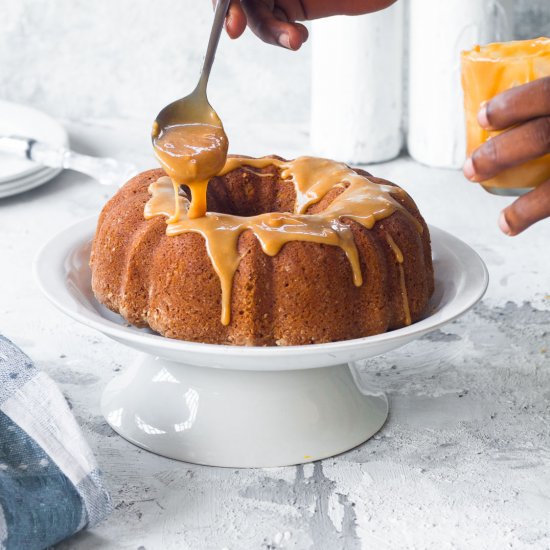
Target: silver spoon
<point>194,108</point>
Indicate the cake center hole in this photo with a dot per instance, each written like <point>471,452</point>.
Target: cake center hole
<point>248,193</point>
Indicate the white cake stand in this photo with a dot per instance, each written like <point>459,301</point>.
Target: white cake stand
<point>246,406</point>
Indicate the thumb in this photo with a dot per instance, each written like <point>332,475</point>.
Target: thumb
<point>235,20</point>
<point>525,211</point>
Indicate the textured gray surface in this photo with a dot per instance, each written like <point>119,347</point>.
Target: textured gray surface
<point>463,461</point>
<point>532,18</point>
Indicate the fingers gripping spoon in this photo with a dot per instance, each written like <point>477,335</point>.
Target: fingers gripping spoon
<point>188,135</point>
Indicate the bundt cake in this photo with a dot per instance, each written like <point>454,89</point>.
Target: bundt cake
<point>290,252</point>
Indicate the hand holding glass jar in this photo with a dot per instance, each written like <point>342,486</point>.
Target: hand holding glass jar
<point>507,100</point>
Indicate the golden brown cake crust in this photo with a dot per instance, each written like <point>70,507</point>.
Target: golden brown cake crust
<point>303,295</point>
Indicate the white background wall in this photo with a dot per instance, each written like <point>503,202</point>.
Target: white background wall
<point>127,58</point>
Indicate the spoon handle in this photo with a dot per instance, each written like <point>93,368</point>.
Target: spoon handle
<point>217,26</point>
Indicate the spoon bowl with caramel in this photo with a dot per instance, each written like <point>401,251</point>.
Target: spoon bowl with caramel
<point>188,136</point>
<point>191,145</point>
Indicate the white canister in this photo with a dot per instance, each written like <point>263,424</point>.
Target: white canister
<point>439,31</point>
<point>357,91</point>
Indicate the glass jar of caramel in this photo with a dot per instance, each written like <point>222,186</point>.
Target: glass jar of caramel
<point>486,72</point>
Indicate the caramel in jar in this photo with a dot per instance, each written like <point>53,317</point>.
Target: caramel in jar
<point>486,72</point>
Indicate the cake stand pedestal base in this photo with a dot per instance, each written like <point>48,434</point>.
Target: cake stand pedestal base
<point>241,418</point>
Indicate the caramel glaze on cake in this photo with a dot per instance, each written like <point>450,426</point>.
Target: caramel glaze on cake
<point>290,252</point>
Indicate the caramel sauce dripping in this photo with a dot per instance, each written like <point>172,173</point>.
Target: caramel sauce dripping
<point>400,259</point>
<point>191,154</point>
<point>361,200</point>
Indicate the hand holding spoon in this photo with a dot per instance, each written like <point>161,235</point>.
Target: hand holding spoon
<point>188,136</point>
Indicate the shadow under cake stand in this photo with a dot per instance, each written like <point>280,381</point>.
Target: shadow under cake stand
<point>241,406</point>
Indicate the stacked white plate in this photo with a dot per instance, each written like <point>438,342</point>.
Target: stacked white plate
<point>18,175</point>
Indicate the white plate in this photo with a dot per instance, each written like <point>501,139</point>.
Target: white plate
<point>254,406</point>
<point>20,120</point>
<point>26,183</point>
<point>23,180</point>
<point>64,275</point>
